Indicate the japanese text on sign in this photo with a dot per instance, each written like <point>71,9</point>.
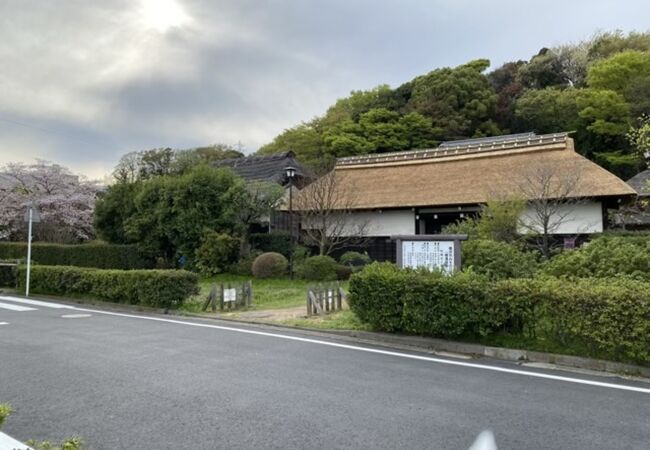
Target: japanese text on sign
<point>430,254</point>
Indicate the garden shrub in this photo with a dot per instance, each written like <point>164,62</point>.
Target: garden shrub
<point>155,288</point>
<point>355,260</point>
<point>270,265</point>
<point>5,411</point>
<point>605,256</point>
<point>276,242</point>
<point>498,259</point>
<point>96,254</point>
<point>319,268</point>
<point>607,317</point>
<point>376,295</point>
<point>216,252</point>
<point>445,306</point>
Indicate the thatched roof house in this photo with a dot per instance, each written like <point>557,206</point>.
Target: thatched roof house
<point>419,192</point>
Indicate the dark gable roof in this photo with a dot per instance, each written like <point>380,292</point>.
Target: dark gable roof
<point>641,182</point>
<point>264,168</point>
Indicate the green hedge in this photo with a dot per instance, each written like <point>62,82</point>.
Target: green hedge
<point>606,256</point>
<point>8,275</point>
<point>156,288</point>
<point>97,255</point>
<point>319,268</point>
<point>607,317</point>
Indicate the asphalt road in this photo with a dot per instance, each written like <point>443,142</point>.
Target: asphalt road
<point>147,383</point>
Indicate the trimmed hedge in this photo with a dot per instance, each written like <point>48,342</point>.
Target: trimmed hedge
<point>155,288</point>
<point>97,255</point>
<point>607,317</point>
<point>319,268</point>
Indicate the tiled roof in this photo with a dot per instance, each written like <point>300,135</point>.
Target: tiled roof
<point>264,168</point>
<point>641,182</point>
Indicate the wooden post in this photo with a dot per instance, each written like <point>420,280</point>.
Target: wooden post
<point>213,297</point>
<point>221,297</point>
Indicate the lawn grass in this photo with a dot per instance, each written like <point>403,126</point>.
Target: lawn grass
<point>341,320</point>
<point>271,293</point>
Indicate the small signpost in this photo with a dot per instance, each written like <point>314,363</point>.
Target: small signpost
<point>430,251</point>
<point>31,216</point>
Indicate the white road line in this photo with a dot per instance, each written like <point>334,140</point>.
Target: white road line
<point>9,443</point>
<point>4,323</point>
<point>15,307</point>
<point>34,302</point>
<point>75,316</point>
<point>382,352</point>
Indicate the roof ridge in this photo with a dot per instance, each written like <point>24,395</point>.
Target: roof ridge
<point>480,145</point>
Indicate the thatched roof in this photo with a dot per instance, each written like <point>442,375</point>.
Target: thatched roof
<point>470,172</point>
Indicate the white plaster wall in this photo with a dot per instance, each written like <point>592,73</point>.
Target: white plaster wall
<point>582,218</point>
<point>385,223</point>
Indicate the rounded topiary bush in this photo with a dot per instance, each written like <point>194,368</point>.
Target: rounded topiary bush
<point>320,268</point>
<point>269,265</point>
<point>355,259</point>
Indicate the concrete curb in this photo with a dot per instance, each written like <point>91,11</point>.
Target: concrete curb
<point>398,341</point>
<point>473,350</point>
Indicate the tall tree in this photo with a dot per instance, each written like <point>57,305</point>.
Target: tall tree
<point>65,201</point>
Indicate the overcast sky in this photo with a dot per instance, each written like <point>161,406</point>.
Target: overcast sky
<point>83,82</point>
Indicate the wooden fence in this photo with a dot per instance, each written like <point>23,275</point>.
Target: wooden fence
<point>230,296</point>
<point>324,298</point>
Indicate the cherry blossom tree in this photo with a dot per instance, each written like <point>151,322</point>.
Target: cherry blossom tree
<point>65,201</point>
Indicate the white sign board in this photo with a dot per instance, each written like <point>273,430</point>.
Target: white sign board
<point>230,295</point>
<point>437,255</point>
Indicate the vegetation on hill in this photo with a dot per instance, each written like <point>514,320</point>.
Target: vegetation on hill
<point>599,88</point>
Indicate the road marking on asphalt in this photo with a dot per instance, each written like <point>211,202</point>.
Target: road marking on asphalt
<point>9,443</point>
<point>25,301</point>
<point>4,323</point>
<point>11,307</point>
<point>381,352</point>
<point>75,316</point>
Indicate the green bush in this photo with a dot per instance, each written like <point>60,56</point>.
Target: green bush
<point>216,253</point>
<point>98,255</point>
<point>377,295</point>
<point>498,260</point>
<point>445,306</point>
<point>270,265</point>
<point>276,242</point>
<point>155,288</point>
<point>319,268</point>
<point>607,317</point>
<point>355,260</point>
<point>605,256</point>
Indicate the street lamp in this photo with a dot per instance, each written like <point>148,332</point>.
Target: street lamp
<point>291,173</point>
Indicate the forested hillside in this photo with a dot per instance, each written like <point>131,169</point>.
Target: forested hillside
<point>599,88</point>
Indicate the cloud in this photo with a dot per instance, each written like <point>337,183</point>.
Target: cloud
<point>89,81</point>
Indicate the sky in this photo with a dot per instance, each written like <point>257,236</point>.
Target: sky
<point>84,82</point>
